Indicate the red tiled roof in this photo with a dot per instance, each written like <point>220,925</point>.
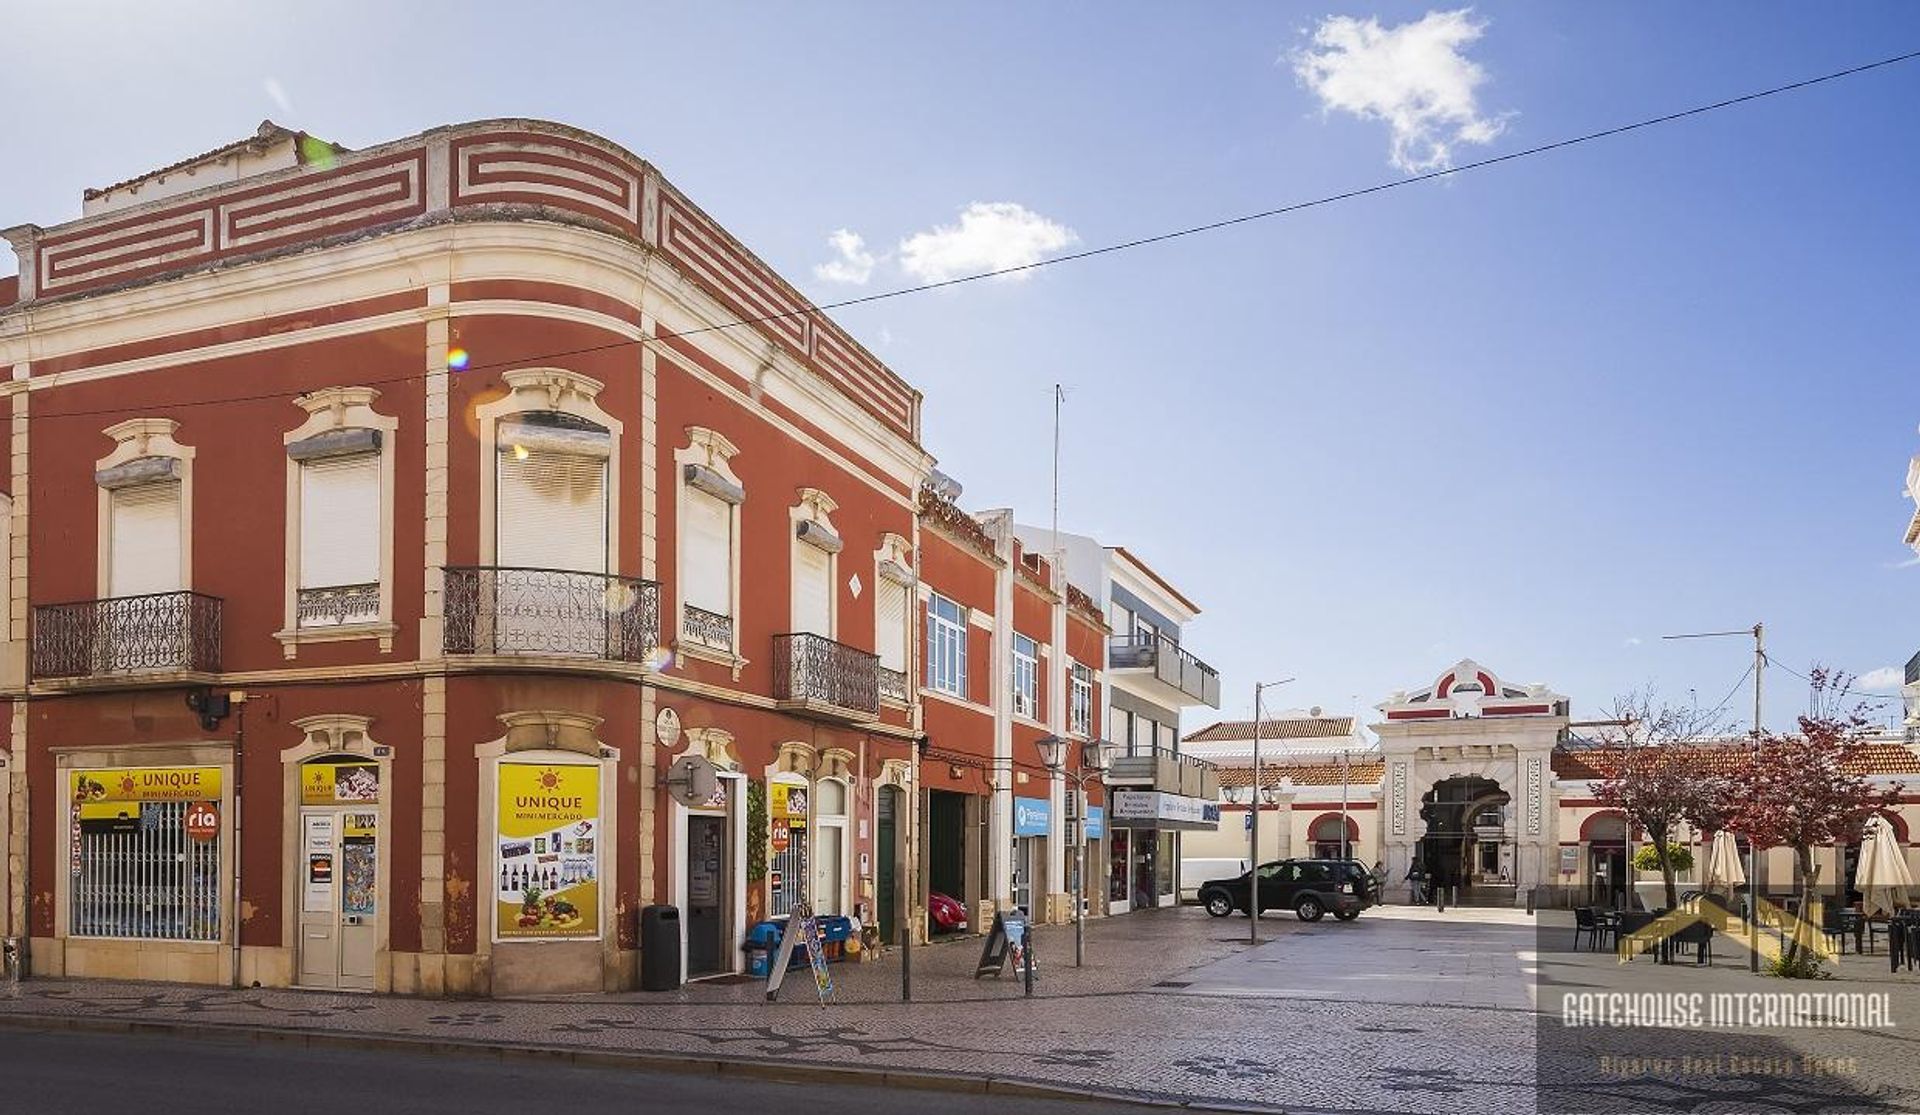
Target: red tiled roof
<point>1306,774</point>
<point>1320,727</point>
<point>1602,762</point>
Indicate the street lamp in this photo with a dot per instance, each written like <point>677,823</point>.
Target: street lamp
<point>1095,756</point>
<point>1253,830</point>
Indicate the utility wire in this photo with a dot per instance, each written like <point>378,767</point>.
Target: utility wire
<point>1156,238</point>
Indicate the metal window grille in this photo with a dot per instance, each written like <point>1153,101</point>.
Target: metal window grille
<point>145,877</point>
<point>792,866</point>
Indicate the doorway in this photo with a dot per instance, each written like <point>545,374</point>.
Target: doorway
<point>707,892</point>
<point>338,872</point>
<point>887,851</point>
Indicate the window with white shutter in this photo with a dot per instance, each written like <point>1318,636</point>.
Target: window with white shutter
<point>890,606</point>
<point>144,553</point>
<point>340,521</point>
<point>550,509</point>
<point>812,589</point>
<point>707,553</point>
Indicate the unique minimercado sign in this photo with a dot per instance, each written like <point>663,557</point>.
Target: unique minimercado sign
<point>125,784</point>
<point>547,877</point>
<point>340,782</point>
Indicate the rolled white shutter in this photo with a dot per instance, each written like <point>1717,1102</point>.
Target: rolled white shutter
<point>891,643</point>
<point>812,590</point>
<point>708,577</point>
<point>145,555</point>
<point>340,521</point>
<point>551,511</point>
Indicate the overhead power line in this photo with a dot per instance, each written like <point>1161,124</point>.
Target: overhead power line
<point>1137,242</point>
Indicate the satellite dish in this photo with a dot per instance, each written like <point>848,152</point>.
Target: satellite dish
<point>1314,712</point>
<point>691,780</point>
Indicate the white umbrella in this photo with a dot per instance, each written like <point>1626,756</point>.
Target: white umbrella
<point>1883,878</point>
<point>1723,863</point>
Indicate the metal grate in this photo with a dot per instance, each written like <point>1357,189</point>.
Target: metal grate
<point>708,629</point>
<point>337,606</point>
<point>128,634</point>
<point>893,685</point>
<point>502,610</point>
<point>817,669</point>
<point>143,876</point>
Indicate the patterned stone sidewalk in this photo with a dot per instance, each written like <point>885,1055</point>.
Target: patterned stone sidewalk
<point>1104,1030</point>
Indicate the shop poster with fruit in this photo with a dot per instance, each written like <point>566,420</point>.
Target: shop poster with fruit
<point>547,880</point>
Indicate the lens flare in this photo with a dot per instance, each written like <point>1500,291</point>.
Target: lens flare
<point>457,359</point>
<point>660,658</point>
<point>519,452</point>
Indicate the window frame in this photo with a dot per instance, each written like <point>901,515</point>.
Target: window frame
<point>713,452</point>
<point>1079,700</point>
<point>1024,677</point>
<point>330,410</point>
<point>948,677</point>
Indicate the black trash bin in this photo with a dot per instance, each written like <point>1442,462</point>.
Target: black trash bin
<point>660,948</point>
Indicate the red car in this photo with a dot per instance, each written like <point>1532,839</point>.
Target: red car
<point>945,915</point>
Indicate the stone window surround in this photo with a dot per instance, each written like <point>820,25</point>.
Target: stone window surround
<point>813,526</point>
<point>711,450</point>
<point>143,438</point>
<point>330,409</point>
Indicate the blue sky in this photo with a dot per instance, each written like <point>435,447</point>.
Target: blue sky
<point>1538,415</point>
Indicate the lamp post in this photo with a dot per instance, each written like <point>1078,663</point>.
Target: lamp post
<point>1095,756</point>
<point>1253,876</point>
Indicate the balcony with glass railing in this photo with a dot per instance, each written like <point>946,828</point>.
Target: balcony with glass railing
<point>1169,674</point>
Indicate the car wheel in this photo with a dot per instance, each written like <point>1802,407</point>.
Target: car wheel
<point>1218,904</point>
<point>1346,915</point>
<point>1309,908</point>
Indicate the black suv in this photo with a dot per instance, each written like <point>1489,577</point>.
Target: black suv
<point>1308,887</point>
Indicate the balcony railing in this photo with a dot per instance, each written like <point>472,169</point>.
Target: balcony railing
<point>1173,667</point>
<point>550,612</point>
<point>708,629</point>
<point>813,671</point>
<point>155,633</point>
<point>1167,771</point>
<point>337,606</point>
<point>893,685</point>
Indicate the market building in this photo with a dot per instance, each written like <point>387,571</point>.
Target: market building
<point>384,524</point>
<point>1484,784</point>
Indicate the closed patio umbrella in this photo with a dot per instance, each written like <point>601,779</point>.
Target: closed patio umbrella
<point>1724,870</point>
<point>1883,878</point>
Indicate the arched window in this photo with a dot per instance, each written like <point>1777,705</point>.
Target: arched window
<point>1325,835</point>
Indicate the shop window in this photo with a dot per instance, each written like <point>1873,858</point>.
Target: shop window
<point>946,646</point>
<point>788,812</point>
<point>1080,703</point>
<point>1026,677</point>
<point>146,853</point>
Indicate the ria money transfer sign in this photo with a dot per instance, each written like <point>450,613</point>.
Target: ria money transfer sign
<point>547,880</point>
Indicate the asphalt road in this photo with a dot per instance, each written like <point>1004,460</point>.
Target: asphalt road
<point>53,1071</point>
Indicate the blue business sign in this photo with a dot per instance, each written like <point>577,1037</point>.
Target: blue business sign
<point>1096,822</point>
<point>1030,816</point>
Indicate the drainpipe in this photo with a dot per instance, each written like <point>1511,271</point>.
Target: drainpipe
<point>239,700</point>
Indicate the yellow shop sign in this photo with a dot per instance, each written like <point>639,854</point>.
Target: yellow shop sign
<point>547,869</point>
<point>125,784</point>
<point>355,781</point>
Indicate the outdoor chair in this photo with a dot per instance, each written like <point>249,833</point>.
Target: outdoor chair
<point>1588,923</point>
<point>1698,934</point>
<point>1632,922</point>
<point>1836,925</point>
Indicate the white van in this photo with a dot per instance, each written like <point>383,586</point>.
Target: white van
<point>1194,873</point>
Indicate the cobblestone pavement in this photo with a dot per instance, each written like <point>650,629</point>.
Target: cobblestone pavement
<point>1139,1021</point>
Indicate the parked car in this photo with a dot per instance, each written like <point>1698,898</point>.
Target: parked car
<point>945,915</point>
<point>1309,887</point>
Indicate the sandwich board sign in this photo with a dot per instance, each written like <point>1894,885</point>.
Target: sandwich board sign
<point>803,931</point>
<point>1006,940</point>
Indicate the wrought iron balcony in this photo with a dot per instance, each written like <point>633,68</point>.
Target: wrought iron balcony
<point>708,629</point>
<point>814,673</point>
<point>159,632</point>
<point>337,606</point>
<point>893,685</point>
<point>1177,677</point>
<point>551,613</point>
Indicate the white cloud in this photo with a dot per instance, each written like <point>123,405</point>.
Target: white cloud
<point>991,236</point>
<point>1883,679</point>
<point>1415,77</point>
<point>1633,640</point>
<point>278,94</point>
<point>852,262</point>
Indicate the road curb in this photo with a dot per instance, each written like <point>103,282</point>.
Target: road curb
<point>684,1063</point>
